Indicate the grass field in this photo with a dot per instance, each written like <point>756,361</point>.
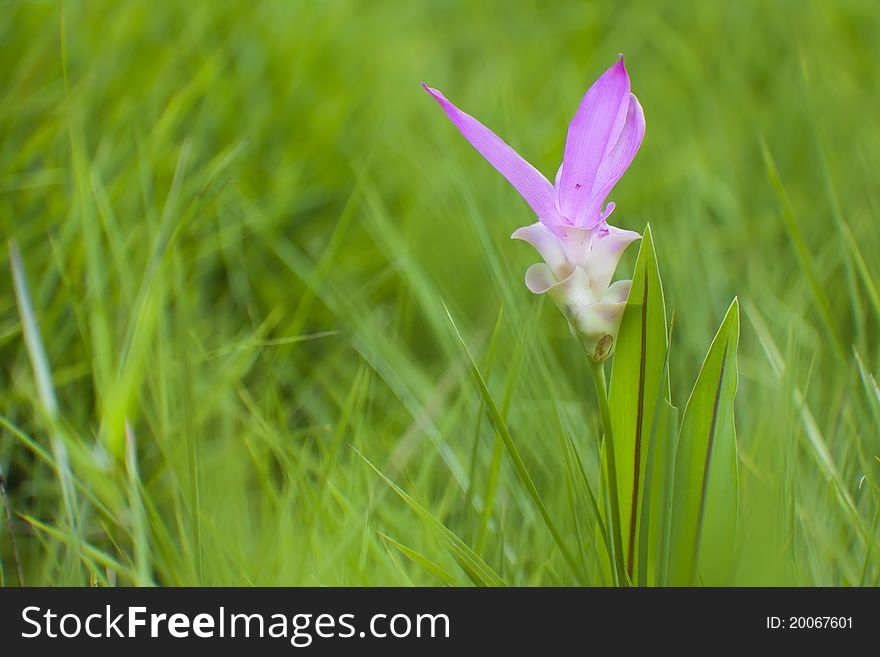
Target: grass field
<point>235,229</point>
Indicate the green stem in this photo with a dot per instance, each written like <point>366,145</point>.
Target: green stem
<point>602,396</point>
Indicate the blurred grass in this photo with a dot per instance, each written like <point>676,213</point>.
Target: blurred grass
<point>240,223</point>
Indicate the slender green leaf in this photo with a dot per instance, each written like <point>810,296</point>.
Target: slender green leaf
<point>705,494</point>
<point>639,381</point>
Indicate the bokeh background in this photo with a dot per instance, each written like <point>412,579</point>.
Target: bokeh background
<point>240,222</point>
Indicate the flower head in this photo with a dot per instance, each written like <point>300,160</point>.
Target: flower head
<point>579,248</point>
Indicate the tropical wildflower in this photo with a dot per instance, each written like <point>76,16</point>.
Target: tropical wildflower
<point>580,249</point>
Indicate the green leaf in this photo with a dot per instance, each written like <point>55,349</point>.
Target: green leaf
<point>661,495</point>
<point>705,496</point>
<point>639,382</point>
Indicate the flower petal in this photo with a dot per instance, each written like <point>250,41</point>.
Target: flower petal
<point>593,132</point>
<point>539,278</point>
<point>605,255</point>
<point>577,243</point>
<point>601,318</point>
<point>548,244</point>
<point>603,216</point>
<point>526,179</point>
<point>558,177</point>
<point>572,294</point>
<point>615,164</point>
<point>617,292</point>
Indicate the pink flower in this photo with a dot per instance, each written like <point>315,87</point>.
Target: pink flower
<point>579,248</point>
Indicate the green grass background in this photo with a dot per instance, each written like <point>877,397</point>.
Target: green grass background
<point>240,222</point>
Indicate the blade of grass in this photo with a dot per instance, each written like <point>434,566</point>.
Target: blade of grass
<point>11,530</point>
<point>855,262</point>
<point>472,471</point>
<point>513,375</point>
<point>90,555</point>
<point>470,560</point>
<point>136,510</point>
<point>420,560</point>
<point>513,452</point>
<point>803,255</point>
<point>43,377</point>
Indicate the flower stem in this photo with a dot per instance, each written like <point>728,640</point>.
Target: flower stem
<point>598,370</point>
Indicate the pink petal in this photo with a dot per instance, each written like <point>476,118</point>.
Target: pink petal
<point>592,134</point>
<point>558,177</point>
<point>615,164</point>
<point>526,179</point>
<point>603,216</point>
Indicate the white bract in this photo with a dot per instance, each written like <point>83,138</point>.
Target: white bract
<point>577,270</point>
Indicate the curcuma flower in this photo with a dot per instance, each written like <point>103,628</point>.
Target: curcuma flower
<point>579,248</point>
